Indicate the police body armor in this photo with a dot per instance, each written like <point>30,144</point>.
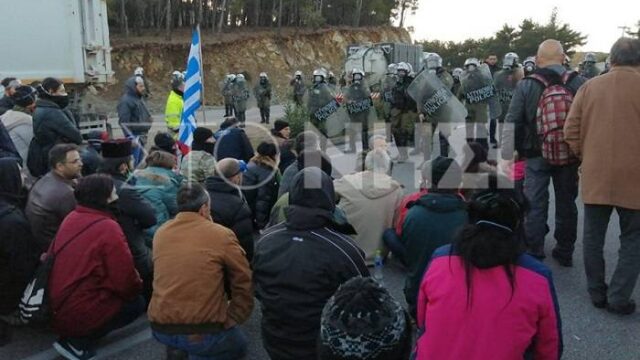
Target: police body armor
<point>435,99</point>
<point>505,82</point>
<point>400,99</point>
<point>358,99</point>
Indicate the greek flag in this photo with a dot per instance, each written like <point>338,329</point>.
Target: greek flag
<point>192,92</point>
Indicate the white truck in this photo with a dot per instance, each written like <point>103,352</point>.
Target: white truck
<point>65,39</point>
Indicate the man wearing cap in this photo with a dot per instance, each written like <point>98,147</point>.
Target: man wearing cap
<point>132,211</point>
<point>262,92</point>
<point>175,103</point>
<point>133,115</point>
<point>6,102</point>
<point>229,208</point>
<point>18,121</point>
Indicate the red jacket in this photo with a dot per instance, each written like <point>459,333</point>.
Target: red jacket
<point>94,273</point>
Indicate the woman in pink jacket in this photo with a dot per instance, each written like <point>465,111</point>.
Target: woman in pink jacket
<point>482,298</point>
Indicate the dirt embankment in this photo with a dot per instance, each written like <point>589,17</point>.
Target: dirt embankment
<point>251,53</point>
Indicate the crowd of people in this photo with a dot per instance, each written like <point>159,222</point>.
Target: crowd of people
<point>194,238</point>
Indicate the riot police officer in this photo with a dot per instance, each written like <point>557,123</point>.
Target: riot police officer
<point>358,103</point>
<point>505,82</point>
<point>298,87</point>
<point>388,83</point>
<point>262,92</point>
<point>403,111</point>
<point>240,96</point>
<point>589,69</point>
<point>476,89</point>
<point>321,104</point>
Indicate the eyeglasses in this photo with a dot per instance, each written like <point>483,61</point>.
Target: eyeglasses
<point>75,161</point>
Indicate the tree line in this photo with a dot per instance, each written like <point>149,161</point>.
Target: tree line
<point>523,40</point>
<point>136,16</point>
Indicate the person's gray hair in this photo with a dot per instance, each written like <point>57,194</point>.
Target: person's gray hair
<point>373,139</point>
<point>625,52</point>
<point>191,197</point>
<point>377,160</point>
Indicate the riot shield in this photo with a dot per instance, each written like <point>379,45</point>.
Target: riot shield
<point>478,85</point>
<point>436,100</point>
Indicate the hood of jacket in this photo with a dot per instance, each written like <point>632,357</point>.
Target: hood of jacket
<point>312,188</point>
<point>264,161</point>
<point>14,118</point>
<point>130,87</point>
<point>442,203</point>
<point>371,185</point>
<point>156,175</point>
<point>46,103</point>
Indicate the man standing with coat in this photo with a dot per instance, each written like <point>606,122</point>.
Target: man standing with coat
<point>523,134</point>
<point>133,115</point>
<point>603,130</point>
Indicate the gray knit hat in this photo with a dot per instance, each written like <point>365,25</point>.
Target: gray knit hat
<point>362,321</point>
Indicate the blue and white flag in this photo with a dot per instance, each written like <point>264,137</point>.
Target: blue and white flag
<point>192,93</point>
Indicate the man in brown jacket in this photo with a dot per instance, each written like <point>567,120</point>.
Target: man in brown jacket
<point>603,129</point>
<point>202,282</point>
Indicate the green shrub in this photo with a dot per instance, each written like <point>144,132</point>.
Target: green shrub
<point>296,116</point>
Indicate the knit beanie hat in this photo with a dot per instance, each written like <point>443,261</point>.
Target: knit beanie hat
<point>165,142</point>
<point>279,125</point>
<point>201,135</point>
<point>362,321</point>
<point>24,96</point>
<point>267,149</point>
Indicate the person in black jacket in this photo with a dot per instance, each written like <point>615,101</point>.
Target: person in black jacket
<point>53,124</point>
<point>299,264</point>
<point>133,115</point>
<point>18,250</point>
<point>228,205</point>
<point>261,183</point>
<point>232,142</point>
<point>133,212</point>
<point>7,147</point>
<point>282,132</point>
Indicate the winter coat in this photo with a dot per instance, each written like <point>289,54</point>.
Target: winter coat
<point>603,129</point>
<point>7,148</point>
<point>51,199</point>
<point>233,143</point>
<point>230,209</point>
<point>197,166</point>
<point>262,172</point>
<point>91,160</point>
<point>433,220</point>
<point>287,156</point>
<point>522,132</point>
<point>6,104</point>
<point>262,92</point>
<point>159,187</point>
<point>92,277</point>
<point>287,178</point>
<point>494,321</point>
<point>132,111</point>
<point>403,208</point>
<point>173,110</point>
<point>51,126</point>
<point>18,250</point>
<point>19,124</point>
<point>370,201</point>
<point>135,214</point>
<point>297,267</point>
<point>194,258</point>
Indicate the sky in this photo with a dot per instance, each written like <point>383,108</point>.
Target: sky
<point>463,19</point>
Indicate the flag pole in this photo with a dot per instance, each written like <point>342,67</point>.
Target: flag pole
<point>202,101</point>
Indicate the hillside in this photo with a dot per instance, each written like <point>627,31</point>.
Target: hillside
<point>249,53</point>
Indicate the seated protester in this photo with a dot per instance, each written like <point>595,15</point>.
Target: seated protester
<point>298,265</point>
<point>363,321</point>
<point>229,208</point>
<point>307,140</point>
<point>18,250</point>
<point>202,286</point>
<point>133,212</point>
<point>93,285</point>
<point>91,154</point>
<point>159,184</point>
<point>476,176</point>
<point>199,163</point>
<point>19,122</point>
<point>433,220</point>
<point>307,158</point>
<point>370,199</point>
<point>51,198</point>
<point>375,142</point>
<point>281,132</point>
<point>484,281</point>
<point>232,142</point>
<point>260,183</point>
<point>53,124</point>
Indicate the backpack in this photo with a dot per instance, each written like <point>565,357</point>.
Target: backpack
<point>34,306</point>
<point>551,114</point>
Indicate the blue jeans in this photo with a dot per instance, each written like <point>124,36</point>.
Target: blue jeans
<point>536,189</point>
<point>230,344</point>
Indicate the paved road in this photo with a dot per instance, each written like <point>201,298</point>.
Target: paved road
<point>589,333</point>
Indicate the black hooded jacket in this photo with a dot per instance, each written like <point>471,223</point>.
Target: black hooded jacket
<point>18,250</point>
<point>299,264</point>
<point>230,209</point>
<point>6,104</point>
<point>132,111</point>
